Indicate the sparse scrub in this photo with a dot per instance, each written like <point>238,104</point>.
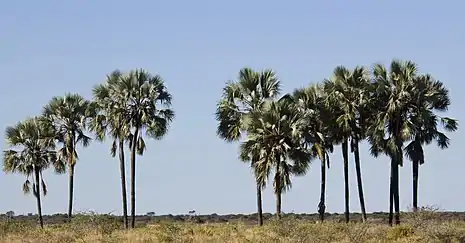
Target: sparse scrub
<point>101,228</point>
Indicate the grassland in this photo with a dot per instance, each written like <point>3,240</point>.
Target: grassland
<point>426,226</point>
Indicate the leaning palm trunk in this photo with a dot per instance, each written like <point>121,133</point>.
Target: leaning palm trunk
<point>123,183</point>
<point>37,194</point>
<point>345,155</point>
<point>133,177</point>
<point>415,165</point>
<point>321,205</point>
<point>359,181</point>
<point>259,205</point>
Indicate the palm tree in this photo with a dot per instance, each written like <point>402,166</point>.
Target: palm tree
<point>32,150</point>
<point>347,97</point>
<point>240,98</point>
<point>392,96</point>
<point>146,104</point>
<point>110,120</point>
<point>69,115</point>
<point>429,97</point>
<point>318,133</point>
<point>274,135</point>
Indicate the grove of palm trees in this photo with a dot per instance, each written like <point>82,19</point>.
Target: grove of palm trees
<point>396,109</point>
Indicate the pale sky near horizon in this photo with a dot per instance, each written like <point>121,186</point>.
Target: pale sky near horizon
<point>51,47</point>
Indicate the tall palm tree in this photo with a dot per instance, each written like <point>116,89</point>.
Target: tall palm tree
<point>348,98</point>
<point>241,97</point>
<point>318,133</point>
<point>110,120</point>
<point>274,135</point>
<point>146,105</point>
<point>430,96</point>
<point>392,95</point>
<point>69,115</point>
<point>32,150</point>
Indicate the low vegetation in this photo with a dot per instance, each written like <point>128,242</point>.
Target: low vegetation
<point>423,226</point>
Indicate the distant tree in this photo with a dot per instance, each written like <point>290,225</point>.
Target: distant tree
<point>10,214</point>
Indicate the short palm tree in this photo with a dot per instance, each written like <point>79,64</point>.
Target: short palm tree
<point>32,150</point>
<point>274,135</point>
<point>318,134</point>
<point>430,96</point>
<point>69,115</point>
<point>109,120</point>
<point>390,129</point>
<point>347,96</point>
<point>146,103</point>
<point>240,98</point>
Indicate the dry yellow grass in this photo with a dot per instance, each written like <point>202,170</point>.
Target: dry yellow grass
<point>414,230</point>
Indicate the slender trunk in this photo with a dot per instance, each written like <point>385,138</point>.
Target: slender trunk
<point>396,191</point>
<point>37,189</point>
<point>259,205</point>
<point>278,191</point>
<point>345,155</point>
<point>71,189</point>
<point>359,181</point>
<point>415,184</point>
<point>278,204</point>
<point>123,183</point>
<point>321,205</point>
<point>133,177</point>
<point>391,193</point>
<point>398,157</point>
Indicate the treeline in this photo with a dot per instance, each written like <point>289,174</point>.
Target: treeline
<point>395,109</point>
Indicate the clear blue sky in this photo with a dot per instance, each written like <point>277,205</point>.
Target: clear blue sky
<point>52,47</point>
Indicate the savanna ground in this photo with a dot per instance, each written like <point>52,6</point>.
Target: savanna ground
<point>423,226</point>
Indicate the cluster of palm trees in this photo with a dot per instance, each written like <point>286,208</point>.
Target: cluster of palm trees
<point>394,108</point>
<point>126,107</point>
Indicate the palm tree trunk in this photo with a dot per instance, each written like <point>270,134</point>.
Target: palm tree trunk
<point>391,193</point>
<point>415,165</point>
<point>133,177</point>
<point>278,190</point>
<point>123,183</point>
<point>396,191</point>
<point>39,205</point>
<point>71,189</point>
<point>321,205</point>
<point>259,205</point>
<point>359,181</point>
<point>278,204</point>
<point>345,155</point>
